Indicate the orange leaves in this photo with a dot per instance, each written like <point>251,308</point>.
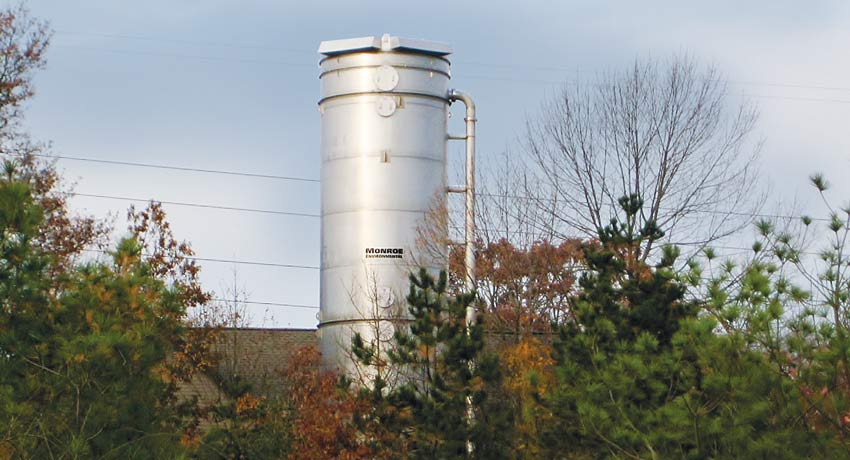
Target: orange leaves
<point>322,411</point>
<point>525,290</point>
<point>248,408</point>
<point>168,258</point>
<point>528,367</point>
<point>62,234</point>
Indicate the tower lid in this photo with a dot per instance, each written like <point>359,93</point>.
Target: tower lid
<point>384,43</point>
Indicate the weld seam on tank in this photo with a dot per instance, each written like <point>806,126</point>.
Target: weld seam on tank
<point>379,155</point>
<point>358,210</point>
<point>380,55</point>
<point>381,93</point>
<point>339,322</point>
<point>409,99</point>
<point>354,67</point>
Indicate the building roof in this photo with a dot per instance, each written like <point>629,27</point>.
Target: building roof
<point>257,356</point>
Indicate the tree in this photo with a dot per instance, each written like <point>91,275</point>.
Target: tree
<point>91,354</point>
<point>522,291</point>
<point>23,42</point>
<point>447,374</point>
<point>322,411</point>
<point>661,131</point>
<point>641,374</point>
<point>805,331</point>
<point>529,377</point>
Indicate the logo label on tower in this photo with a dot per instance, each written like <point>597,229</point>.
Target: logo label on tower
<point>384,253</point>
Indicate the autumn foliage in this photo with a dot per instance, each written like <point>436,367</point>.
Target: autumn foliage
<point>594,349</point>
<point>524,291</point>
<point>322,411</point>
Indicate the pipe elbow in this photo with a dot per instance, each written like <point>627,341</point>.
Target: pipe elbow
<point>457,95</point>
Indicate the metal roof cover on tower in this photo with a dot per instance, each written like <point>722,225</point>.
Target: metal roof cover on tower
<point>384,43</point>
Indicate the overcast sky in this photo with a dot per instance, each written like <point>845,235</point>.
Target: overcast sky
<point>233,86</point>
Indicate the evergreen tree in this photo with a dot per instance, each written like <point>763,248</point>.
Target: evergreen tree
<point>88,353</point>
<point>640,374</point>
<point>448,373</point>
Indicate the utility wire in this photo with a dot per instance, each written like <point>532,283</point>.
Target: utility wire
<point>179,168</point>
<point>259,264</point>
<point>229,261</point>
<point>706,211</point>
<point>170,167</point>
<point>185,42</point>
<point>793,98</point>
<point>465,62</point>
<point>194,205</point>
<point>189,56</point>
<point>298,214</point>
<point>273,304</point>
<point>458,75</point>
<point>243,262</point>
<point>230,208</point>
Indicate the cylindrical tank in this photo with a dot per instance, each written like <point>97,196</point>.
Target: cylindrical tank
<point>384,110</point>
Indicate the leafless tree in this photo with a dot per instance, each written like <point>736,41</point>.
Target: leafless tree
<point>663,130</point>
<point>23,44</point>
<point>505,210</point>
<point>383,313</point>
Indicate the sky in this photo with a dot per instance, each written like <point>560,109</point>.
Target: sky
<point>233,86</point>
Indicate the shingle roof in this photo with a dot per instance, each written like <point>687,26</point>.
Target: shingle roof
<point>258,356</point>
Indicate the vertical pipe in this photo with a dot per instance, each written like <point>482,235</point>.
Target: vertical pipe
<point>469,191</point>
<point>469,253</point>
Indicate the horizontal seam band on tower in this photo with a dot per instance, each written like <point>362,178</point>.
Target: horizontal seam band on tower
<point>398,67</point>
<point>340,322</point>
<point>417,211</point>
<point>374,262</point>
<point>378,53</point>
<point>384,93</point>
<point>380,155</point>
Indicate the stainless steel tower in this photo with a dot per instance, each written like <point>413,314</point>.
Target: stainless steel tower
<point>384,109</point>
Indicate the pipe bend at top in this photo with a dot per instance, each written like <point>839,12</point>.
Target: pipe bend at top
<point>457,95</point>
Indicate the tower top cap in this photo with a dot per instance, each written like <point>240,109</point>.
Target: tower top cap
<point>385,43</point>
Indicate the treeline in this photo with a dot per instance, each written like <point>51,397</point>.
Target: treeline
<point>643,360</point>
<point>612,346</point>
<point>615,357</point>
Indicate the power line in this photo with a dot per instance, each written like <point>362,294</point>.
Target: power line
<point>704,211</point>
<point>186,42</point>
<point>273,304</point>
<point>244,262</point>
<point>230,261</point>
<point>195,205</point>
<point>297,214</point>
<point>473,63</point>
<point>459,75</point>
<point>189,56</point>
<point>490,195</point>
<point>250,262</point>
<point>288,213</point>
<point>793,98</point>
<point>180,168</point>
<point>745,250</point>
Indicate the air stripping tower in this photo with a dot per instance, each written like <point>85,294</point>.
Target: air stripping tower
<point>384,109</point>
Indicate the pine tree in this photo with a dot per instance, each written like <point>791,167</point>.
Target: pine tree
<point>641,374</point>
<point>447,372</point>
<point>90,354</point>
